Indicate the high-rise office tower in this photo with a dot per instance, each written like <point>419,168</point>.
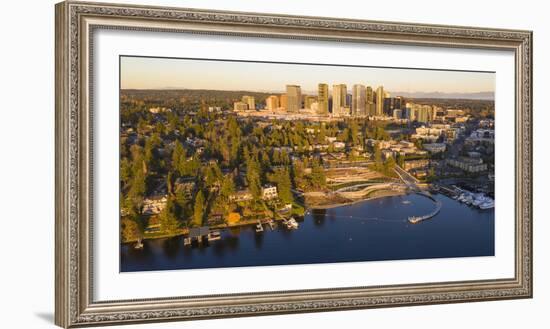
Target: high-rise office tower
<point>409,112</point>
<point>294,98</point>
<point>424,112</point>
<point>339,93</point>
<point>370,107</point>
<point>322,99</point>
<point>380,101</point>
<point>358,100</point>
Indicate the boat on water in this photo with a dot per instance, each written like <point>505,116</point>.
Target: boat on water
<point>138,245</point>
<point>487,205</point>
<point>406,202</point>
<point>291,224</point>
<point>259,228</point>
<point>478,200</point>
<point>214,235</point>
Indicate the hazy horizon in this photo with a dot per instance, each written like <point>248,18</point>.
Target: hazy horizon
<point>144,73</point>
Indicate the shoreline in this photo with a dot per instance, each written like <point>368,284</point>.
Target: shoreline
<point>308,208</point>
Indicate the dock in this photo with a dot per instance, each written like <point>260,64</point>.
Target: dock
<point>418,219</point>
<point>259,227</point>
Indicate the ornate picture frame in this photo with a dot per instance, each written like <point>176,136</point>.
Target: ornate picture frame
<point>76,23</point>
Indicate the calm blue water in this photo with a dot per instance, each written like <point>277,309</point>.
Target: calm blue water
<point>366,231</point>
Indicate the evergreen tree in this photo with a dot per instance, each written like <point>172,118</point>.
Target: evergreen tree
<point>253,177</point>
<point>389,164</point>
<point>198,209</point>
<point>227,188</point>
<point>168,219</point>
<point>318,178</point>
<point>284,185</point>
<point>179,158</point>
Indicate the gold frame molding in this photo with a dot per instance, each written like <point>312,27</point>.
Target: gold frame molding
<point>75,23</point>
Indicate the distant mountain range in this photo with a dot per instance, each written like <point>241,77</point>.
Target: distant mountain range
<point>486,95</point>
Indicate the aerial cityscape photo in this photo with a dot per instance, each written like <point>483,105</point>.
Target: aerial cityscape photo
<point>228,163</point>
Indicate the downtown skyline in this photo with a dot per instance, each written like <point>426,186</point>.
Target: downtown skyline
<point>168,73</point>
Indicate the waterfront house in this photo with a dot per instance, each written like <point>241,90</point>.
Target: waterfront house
<point>154,205</point>
<point>241,196</point>
<point>269,192</point>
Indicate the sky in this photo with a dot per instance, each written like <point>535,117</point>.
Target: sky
<point>167,73</point>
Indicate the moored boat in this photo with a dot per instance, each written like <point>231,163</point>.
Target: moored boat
<point>214,235</point>
<point>292,223</point>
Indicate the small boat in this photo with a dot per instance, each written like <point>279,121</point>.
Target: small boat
<point>487,205</point>
<point>214,235</point>
<point>406,202</point>
<point>187,241</point>
<point>138,245</point>
<point>259,228</point>
<point>292,223</point>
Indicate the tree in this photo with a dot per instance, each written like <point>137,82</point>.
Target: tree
<point>227,188</point>
<point>179,158</point>
<point>318,178</point>
<point>354,133</point>
<point>125,171</point>
<point>253,177</point>
<point>282,180</point>
<point>389,164</point>
<point>377,158</point>
<point>168,220</point>
<point>400,160</point>
<point>130,230</point>
<point>198,209</point>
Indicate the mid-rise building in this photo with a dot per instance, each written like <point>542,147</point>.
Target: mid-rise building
<point>272,102</point>
<point>240,106</point>
<point>397,114</point>
<point>435,147</point>
<point>391,103</point>
<point>294,98</point>
<point>249,100</point>
<point>308,100</point>
<point>471,165</point>
<point>283,103</point>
